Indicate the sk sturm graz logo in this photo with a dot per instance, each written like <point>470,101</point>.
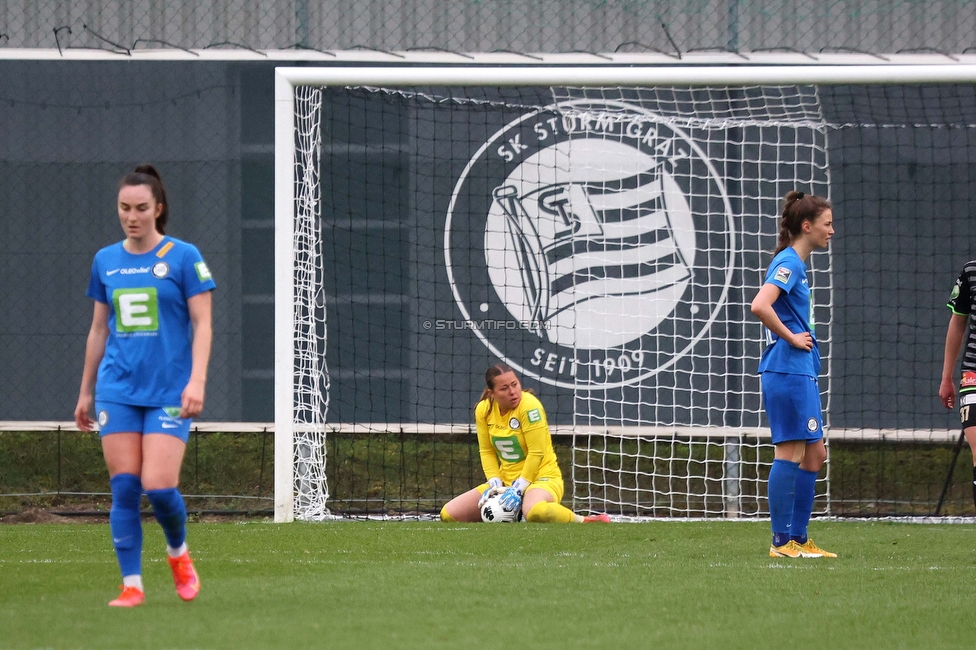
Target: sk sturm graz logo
<point>605,232</point>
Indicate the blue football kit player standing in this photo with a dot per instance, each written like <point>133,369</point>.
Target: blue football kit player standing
<point>149,322</point>
<point>146,361</point>
<point>789,368</point>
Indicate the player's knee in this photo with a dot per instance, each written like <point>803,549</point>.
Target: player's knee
<point>167,502</point>
<point>446,516</point>
<point>818,459</point>
<point>126,491</point>
<point>815,456</point>
<point>124,515</point>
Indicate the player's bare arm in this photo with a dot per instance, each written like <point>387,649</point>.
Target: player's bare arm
<point>762,308</point>
<point>94,350</point>
<point>200,307</point>
<point>953,344</point>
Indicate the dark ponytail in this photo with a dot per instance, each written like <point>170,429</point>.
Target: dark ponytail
<point>148,176</point>
<point>797,208</point>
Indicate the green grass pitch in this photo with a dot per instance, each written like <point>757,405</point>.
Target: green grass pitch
<point>433,585</point>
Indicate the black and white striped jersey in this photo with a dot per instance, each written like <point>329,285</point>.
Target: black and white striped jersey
<point>961,301</point>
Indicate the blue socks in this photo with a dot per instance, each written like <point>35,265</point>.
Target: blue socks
<point>782,479</point>
<point>170,511</point>
<point>125,524</point>
<point>804,491</point>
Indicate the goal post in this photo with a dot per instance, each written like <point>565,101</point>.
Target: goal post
<point>714,444</point>
<point>284,317</point>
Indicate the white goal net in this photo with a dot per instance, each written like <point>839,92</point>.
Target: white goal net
<point>605,242</point>
<point>602,229</point>
<point>687,184</point>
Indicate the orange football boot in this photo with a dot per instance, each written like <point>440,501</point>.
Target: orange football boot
<point>130,597</point>
<point>184,576</point>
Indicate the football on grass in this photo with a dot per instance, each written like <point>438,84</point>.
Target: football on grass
<point>493,512</point>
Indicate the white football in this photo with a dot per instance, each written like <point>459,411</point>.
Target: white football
<point>493,512</point>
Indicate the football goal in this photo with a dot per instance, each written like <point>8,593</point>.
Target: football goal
<point>602,228</point>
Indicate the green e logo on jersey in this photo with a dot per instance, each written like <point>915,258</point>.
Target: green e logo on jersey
<point>203,273</point>
<point>534,415</point>
<point>136,310</point>
<point>509,449</point>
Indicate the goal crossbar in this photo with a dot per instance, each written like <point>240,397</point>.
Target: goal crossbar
<point>676,75</point>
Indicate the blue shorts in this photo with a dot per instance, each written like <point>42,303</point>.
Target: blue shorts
<point>124,418</point>
<point>792,406</point>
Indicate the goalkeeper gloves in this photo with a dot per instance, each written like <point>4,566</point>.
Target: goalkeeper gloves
<point>511,498</point>
<point>495,486</point>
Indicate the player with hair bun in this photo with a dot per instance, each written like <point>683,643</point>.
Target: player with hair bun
<point>516,455</point>
<point>789,368</point>
<point>146,362</point>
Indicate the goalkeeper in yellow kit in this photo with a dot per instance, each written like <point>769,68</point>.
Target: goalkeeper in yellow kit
<point>517,456</point>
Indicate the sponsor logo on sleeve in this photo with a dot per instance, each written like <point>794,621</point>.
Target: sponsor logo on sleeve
<point>534,415</point>
<point>782,275</point>
<point>203,273</point>
<point>955,292</point>
<point>812,425</point>
<point>968,379</point>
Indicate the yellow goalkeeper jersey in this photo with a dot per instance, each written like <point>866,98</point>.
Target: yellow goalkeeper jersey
<point>515,444</point>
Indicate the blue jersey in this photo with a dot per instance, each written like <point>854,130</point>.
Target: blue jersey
<point>788,272</point>
<point>148,358</point>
